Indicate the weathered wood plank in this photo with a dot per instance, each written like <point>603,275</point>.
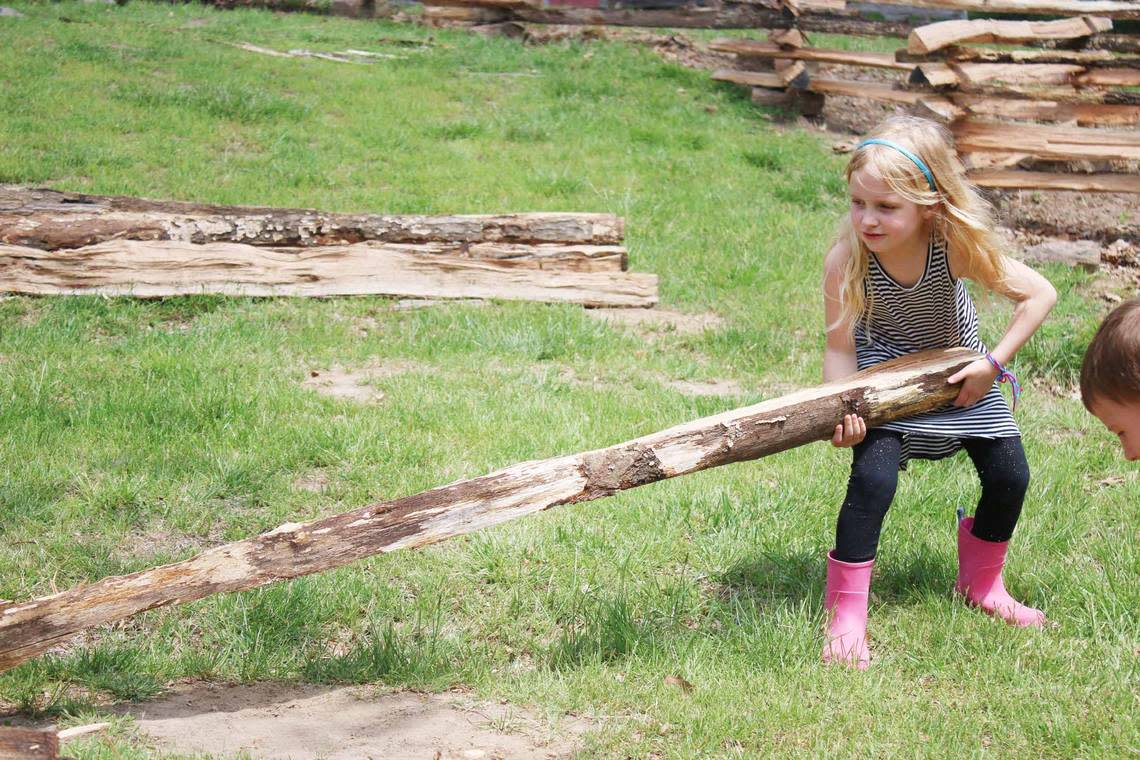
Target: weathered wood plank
<point>931,37</point>
<point>1084,114</point>
<point>1026,180</point>
<point>170,268</point>
<point>1047,142</point>
<point>1088,58</point>
<point>43,218</point>
<point>892,390</point>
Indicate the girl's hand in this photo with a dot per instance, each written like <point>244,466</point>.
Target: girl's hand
<point>850,432</point>
<point>977,378</point>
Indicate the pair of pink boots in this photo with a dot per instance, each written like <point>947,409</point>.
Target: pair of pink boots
<point>979,581</point>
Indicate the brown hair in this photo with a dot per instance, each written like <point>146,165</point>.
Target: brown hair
<point>1111,369</point>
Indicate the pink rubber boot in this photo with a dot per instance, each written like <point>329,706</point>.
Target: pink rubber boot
<point>845,602</point>
<point>979,578</point>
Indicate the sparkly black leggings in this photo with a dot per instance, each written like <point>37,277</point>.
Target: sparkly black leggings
<point>1001,467</point>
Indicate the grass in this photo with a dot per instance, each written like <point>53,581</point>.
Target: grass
<point>135,433</point>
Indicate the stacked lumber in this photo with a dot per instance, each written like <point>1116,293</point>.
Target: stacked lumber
<point>993,100</point>
<point>830,16</point>
<point>54,243</point>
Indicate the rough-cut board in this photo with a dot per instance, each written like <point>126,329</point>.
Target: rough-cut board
<point>44,218</point>
<point>28,744</point>
<point>927,39</point>
<point>169,268</point>
<point>1089,58</point>
<point>854,88</point>
<point>1084,114</point>
<point>1029,82</point>
<point>1119,9</point>
<point>893,390</point>
<point>1012,179</point>
<point>1047,142</point>
<point>756,49</point>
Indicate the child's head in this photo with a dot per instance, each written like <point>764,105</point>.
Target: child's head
<point>1110,376</point>
<point>951,209</point>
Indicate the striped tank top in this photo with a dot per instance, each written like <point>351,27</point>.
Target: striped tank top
<point>935,312</point>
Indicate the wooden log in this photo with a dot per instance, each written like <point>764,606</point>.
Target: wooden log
<point>734,16</point>
<point>49,219</point>
<point>28,744</point>
<point>787,38</point>
<point>1118,9</point>
<point>169,268</point>
<point>757,49</point>
<point>1026,180</point>
<point>927,39</point>
<point>1047,142</point>
<point>893,390</point>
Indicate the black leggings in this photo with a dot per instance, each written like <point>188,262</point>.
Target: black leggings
<point>1001,467</point>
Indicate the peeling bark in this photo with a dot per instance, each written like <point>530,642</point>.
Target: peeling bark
<point>893,390</point>
<point>49,219</point>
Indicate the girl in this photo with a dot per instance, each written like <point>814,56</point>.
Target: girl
<point>892,286</point>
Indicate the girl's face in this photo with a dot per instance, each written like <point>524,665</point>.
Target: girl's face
<point>887,223</point>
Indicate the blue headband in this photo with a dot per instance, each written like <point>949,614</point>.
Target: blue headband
<point>917,161</point>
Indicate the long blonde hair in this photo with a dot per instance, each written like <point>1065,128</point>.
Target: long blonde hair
<point>962,217</point>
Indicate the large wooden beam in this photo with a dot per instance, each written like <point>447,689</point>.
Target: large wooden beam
<point>28,744</point>
<point>171,268</point>
<point>893,390</point>
<point>43,218</point>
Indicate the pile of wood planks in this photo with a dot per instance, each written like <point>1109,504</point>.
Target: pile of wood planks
<point>1006,107</point>
<point>830,16</point>
<point>56,243</point>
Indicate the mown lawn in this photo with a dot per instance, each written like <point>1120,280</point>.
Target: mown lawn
<point>136,433</point>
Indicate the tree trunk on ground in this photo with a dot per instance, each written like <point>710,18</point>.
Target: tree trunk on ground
<point>48,219</point>
<point>893,390</point>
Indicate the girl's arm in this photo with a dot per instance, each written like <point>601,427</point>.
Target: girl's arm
<point>839,353</point>
<point>1034,297</point>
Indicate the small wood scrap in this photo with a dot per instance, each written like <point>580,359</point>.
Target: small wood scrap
<point>54,243</point>
<point>28,744</point>
<point>941,34</point>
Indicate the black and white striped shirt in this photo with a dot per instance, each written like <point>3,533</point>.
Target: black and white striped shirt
<point>935,312</point>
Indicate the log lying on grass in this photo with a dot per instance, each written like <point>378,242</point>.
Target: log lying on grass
<point>49,219</point>
<point>893,390</point>
<point>588,275</point>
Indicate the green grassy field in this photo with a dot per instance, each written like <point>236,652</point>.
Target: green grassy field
<point>136,433</point>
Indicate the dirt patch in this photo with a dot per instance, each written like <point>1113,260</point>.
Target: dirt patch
<point>647,321</point>
<point>707,387</point>
<point>356,385</point>
<point>316,481</point>
<point>297,721</point>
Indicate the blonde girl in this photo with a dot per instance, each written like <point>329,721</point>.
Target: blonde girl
<point>893,285</point>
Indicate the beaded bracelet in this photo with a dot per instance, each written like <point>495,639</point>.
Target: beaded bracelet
<point>1005,376</point>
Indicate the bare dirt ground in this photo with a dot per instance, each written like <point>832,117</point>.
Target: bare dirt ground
<point>284,720</point>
